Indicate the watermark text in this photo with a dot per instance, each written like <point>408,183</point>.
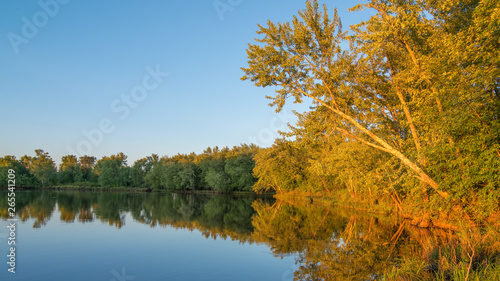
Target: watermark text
<point>11,211</point>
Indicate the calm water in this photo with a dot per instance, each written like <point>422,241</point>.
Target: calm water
<point>116,236</point>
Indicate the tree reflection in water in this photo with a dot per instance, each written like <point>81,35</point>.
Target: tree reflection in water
<point>329,243</point>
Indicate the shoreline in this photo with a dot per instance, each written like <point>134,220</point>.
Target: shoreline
<point>141,190</point>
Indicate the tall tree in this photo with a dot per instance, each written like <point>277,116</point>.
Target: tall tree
<point>87,165</point>
<point>416,81</point>
<point>113,171</point>
<point>42,166</point>
<point>69,170</point>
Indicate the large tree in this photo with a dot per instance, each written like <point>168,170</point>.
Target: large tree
<point>42,166</point>
<point>113,171</point>
<point>87,164</point>
<point>70,170</point>
<point>418,80</point>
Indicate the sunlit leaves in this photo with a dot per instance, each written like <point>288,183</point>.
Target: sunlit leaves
<point>418,80</point>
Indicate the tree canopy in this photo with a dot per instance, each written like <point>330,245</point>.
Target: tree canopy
<point>223,170</point>
<point>417,84</point>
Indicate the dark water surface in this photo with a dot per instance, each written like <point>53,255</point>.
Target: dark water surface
<point>116,236</point>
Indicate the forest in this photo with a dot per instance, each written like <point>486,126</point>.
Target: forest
<point>222,170</point>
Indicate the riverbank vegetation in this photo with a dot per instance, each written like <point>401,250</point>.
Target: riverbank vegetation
<point>405,107</point>
<point>405,118</point>
<point>221,170</point>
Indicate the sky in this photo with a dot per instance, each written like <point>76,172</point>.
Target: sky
<point>138,77</point>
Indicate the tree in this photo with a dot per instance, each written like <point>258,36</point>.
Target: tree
<point>87,166</point>
<point>113,171</point>
<point>410,84</point>
<point>23,176</point>
<point>138,172</point>
<point>280,167</point>
<point>189,176</point>
<point>41,166</point>
<point>240,170</point>
<point>153,178</point>
<point>218,180</point>
<point>69,170</point>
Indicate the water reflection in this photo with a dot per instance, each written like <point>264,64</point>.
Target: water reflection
<point>339,244</point>
<point>328,243</point>
<point>213,215</point>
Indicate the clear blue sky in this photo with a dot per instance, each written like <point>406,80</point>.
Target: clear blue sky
<point>67,68</point>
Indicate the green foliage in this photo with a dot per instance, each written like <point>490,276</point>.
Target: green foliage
<point>280,167</point>
<point>223,170</point>
<point>70,170</point>
<point>87,164</point>
<point>153,178</point>
<point>218,180</point>
<point>240,171</point>
<point>405,105</point>
<point>42,167</point>
<point>112,171</point>
<point>138,173</point>
<point>171,179</point>
<point>189,176</point>
<point>24,178</point>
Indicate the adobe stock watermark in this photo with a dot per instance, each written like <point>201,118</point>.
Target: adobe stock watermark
<point>223,6</point>
<point>121,107</point>
<point>31,26</point>
<point>12,220</point>
<point>267,135</point>
<point>121,277</point>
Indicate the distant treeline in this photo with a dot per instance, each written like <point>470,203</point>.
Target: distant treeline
<point>215,169</point>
